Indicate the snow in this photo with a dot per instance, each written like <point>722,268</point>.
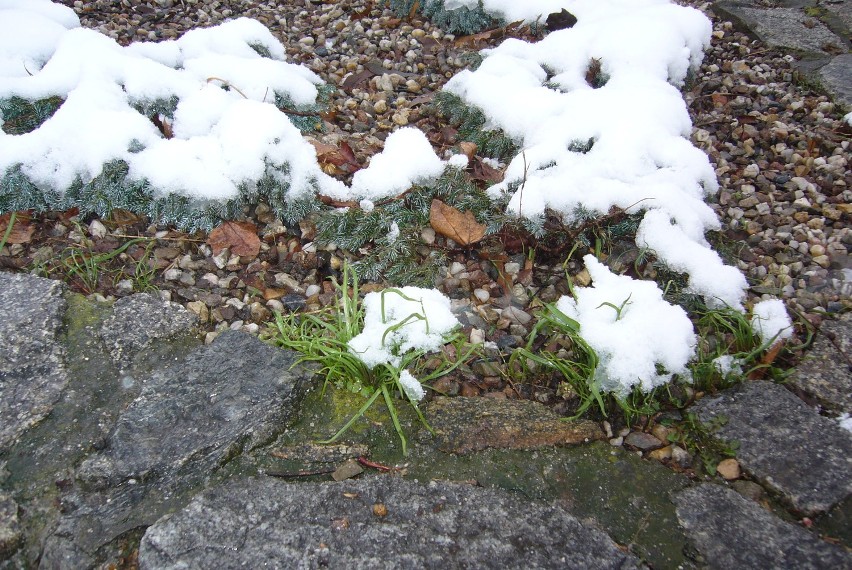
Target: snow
<point>397,321</point>
<point>649,342</point>
<point>770,321</point>
<point>228,134</point>
<point>407,158</point>
<point>845,422</point>
<point>727,364</point>
<point>227,131</point>
<point>641,159</point>
<point>411,386</point>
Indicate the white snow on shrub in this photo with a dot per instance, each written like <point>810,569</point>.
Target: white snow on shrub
<point>397,321</point>
<point>227,130</point>
<point>406,159</point>
<point>411,386</point>
<point>645,345</point>
<point>641,157</point>
<point>770,321</point>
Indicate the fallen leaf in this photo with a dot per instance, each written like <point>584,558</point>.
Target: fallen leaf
<point>482,171</point>
<point>468,149</point>
<point>461,227</point>
<point>482,37</point>
<point>358,79</point>
<point>163,124</point>
<point>22,229</point>
<point>336,160</point>
<point>719,99</point>
<point>240,237</point>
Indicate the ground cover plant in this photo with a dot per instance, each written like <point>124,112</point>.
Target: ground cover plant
<point>567,150</point>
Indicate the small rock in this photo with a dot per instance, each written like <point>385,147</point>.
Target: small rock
<point>642,441</point>
<point>729,469</point>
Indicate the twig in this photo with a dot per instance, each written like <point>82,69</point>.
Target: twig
<point>301,473</point>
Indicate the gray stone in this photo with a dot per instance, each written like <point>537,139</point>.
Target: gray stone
<point>643,441</point>
<point>730,531</point>
<point>140,319</point>
<point>787,446</point>
<point>836,77</point>
<point>784,27</point>
<point>32,367</point>
<point>825,374</point>
<point>379,522</point>
<point>190,420</point>
<point>10,529</point>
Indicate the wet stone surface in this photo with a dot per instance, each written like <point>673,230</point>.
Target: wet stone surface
<point>140,319</point>
<point>825,374</point>
<point>32,364</point>
<point>790,448</point>
<point>189,420</point>
<point>730,531</point>
<point>463,425</point>
<point>375,522</point>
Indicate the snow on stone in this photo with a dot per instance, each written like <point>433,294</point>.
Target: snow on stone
<point>397,321</point>
<point>637,122</point>
<point>645,345</point>
<point>845,421</point>
<point>770,321</point>
<point>411,386</point>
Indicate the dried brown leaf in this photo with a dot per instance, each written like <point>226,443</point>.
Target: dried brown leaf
<point>240,237</point>
<point>22,229</point>
<point>452,223</point>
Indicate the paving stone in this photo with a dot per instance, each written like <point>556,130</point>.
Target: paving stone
<point>786,445</point>
<point>189,420</point>
<point>837,78</point>
<point>10,529</point>
<point>138,320</point>
<point>825,373</point>
<point>730,531</point>
<point>378,522</point>
<point>32,366</point>
<point>785,27</point>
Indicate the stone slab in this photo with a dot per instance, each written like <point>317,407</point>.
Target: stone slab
<point>787,446</point>
<point>140,319</point>
<point>730,531</point>
<point>836,77</point>
<point>825,374</point>
<point>464,425</point>
<point>784,27</point>
<point>189,420</point>
<point>379,522</point>
<point>32,361</point>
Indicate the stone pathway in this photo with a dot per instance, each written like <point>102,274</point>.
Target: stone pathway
<point>124,440</point>
<point>152,440</point>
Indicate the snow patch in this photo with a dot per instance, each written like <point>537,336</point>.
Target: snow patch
<point>640,339</point>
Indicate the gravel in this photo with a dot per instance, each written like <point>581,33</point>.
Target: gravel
<point>779,148</point>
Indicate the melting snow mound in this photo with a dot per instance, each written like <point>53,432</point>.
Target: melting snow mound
<point>640,339</point>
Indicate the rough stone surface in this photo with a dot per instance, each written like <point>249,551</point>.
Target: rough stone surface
<point>825,373</point>
<point>10,529</point>
<point>138,320</point>
<point>786,27</point>
<point>730,531</point>
<point>837,78</point>
<point>784,444</point>
<point>32,368</point>
<point>189,420</point>
<point>380,522</point>
<point>463,425</point>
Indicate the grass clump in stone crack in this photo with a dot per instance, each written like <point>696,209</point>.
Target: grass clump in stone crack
<point>376,346</point>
